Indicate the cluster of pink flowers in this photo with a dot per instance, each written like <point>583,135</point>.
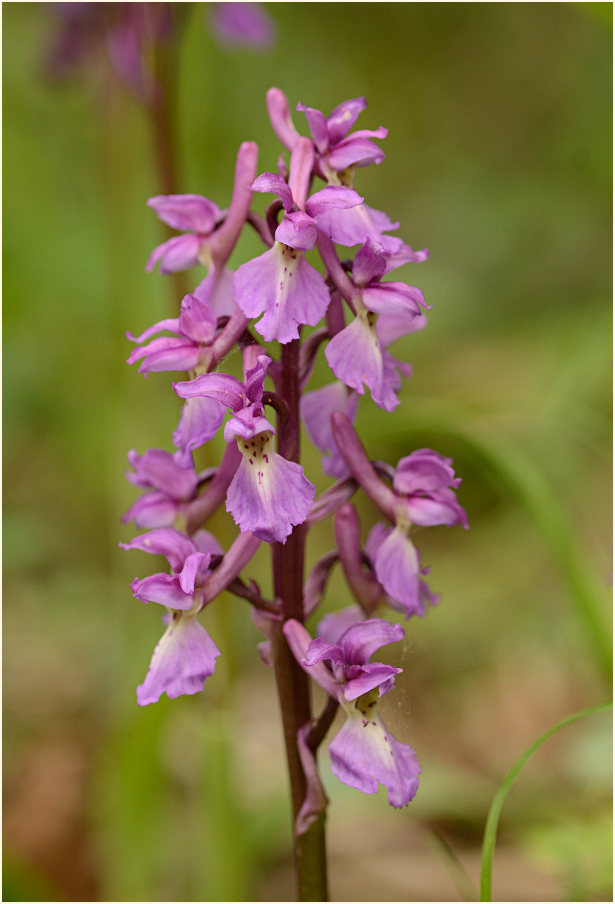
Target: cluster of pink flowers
<point>275,296</point>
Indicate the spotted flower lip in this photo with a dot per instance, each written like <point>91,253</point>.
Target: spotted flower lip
<point>268,495</point>
<point>280,284</point>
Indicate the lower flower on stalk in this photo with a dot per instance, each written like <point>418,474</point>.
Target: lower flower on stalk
<point>363,753</point>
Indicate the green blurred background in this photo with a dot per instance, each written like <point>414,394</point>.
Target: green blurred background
<point>499,161</point>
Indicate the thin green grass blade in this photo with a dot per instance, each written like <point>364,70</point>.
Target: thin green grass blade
<point>491,826</point>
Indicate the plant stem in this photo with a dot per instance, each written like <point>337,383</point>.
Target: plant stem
<point>292,682</point>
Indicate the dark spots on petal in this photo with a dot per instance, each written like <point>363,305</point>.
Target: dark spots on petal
<point>266,457</point>
<point>373,723</point>
<point>250,460</point>
<point>364,723</point>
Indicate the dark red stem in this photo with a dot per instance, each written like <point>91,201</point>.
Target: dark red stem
<point>292,682</point>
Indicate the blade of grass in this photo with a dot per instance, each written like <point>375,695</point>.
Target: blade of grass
<point>491,826</point>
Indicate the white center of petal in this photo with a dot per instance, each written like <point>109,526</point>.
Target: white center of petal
<point>289,259</point>
<point>257,451</point>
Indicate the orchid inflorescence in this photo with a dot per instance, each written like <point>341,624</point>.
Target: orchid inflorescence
<point>359,314</point>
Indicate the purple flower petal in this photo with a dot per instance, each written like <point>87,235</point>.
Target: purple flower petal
<point>160,470</point>
<point>255,378</point>
<point>397,566</point>
<point>369,264</point>
<point>442,508</point>
<point>331,628</point>
<point>222,388</point>
<point>364,753</point>
<point>362,640</point>
<point>404,254</point>
<point>333,197</point>
<point>183,659</point>
<point>316,409</point>
<point>297,230</point>
<point>195,566</point>
<point>354,151</point>
<point>206,542</point>
<point>178,253</point>
<point>318,127</point>
<point>166,353</point>
<point>171,324</point>
<point>299,641</point>
<point>356,225</point>
<point>268,494</point>
<point>391,327</point>
<point>216,290</point>
<point>164,541</point>
<point>163,589</point>
<point>199,422</point>
<point>369,677</point>
<point>393,298</point>
<point>197,320</point>
<point>320,649</point>
<point>424,471</point>
<point>343,117</point>
<point>355,356</point>
<point>246,426</point>
<point>274,183</point>
<point>153,509</point>
<point>186,212</point>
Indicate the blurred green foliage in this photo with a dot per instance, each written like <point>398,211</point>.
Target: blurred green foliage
<point>498,160</point>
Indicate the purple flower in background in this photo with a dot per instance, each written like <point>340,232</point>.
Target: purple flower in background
<point>172,488</point>
<point>357,354</point>
<point>316,409</point>
<point>336,149</point>
<point>196,217</point>
<point>268,494</point>
<point>243,24</point>
<point>363,753</point>
<point>186,655</point>
<point>280,283</point>
<point>126,31</point>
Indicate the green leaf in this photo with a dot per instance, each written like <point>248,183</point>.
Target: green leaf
<point>491,826</point>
